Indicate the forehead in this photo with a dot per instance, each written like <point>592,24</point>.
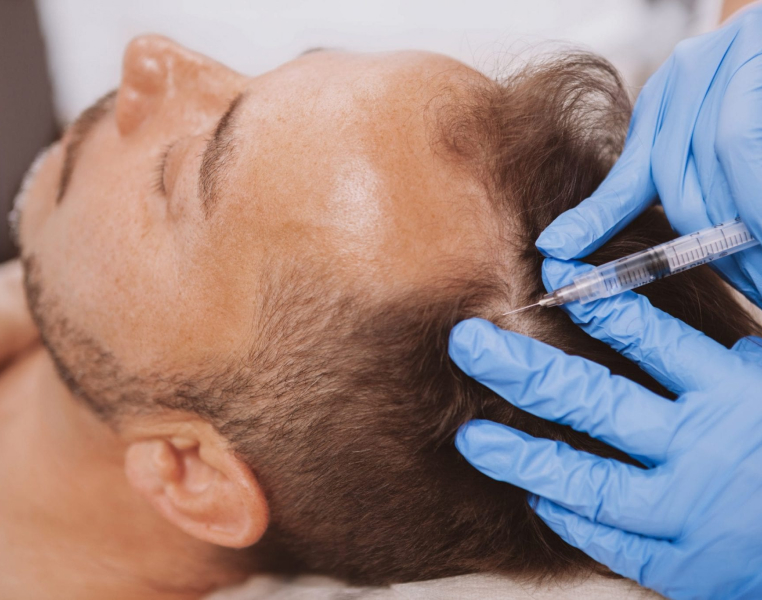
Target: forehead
<point>394,76</point>
<point>381,98</point>
<point>336,163</point>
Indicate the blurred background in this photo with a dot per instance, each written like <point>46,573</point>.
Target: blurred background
<point>58,56</point>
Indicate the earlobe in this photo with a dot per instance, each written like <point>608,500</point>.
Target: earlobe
<point>200,486</point>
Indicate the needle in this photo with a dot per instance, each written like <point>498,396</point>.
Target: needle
<point>521,309</point>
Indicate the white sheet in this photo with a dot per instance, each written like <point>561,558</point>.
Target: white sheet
<point>466,587</point>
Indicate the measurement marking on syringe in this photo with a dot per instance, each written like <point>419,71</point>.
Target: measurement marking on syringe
<point>679,259</point>
<point>660,261</point>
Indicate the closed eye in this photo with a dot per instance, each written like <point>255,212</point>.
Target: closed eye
<point>161,166</point>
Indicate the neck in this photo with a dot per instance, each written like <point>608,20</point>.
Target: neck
<point>70,524</point>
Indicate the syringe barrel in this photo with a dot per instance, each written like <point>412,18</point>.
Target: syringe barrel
<point>621,275</point>
<point>706,245</point>
<point>657,262</point>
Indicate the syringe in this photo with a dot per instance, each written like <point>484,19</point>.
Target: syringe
<point>655,263</point>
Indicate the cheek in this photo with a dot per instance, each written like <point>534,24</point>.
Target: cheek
<point>115,270</point>
<point>110,277</point>
<point>151,289</point>
<point>156,296</point>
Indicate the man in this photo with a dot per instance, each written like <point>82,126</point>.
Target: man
<point>151,232</point>
<point>245,287</point>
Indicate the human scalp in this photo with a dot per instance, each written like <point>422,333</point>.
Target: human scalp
<point>356,450</point>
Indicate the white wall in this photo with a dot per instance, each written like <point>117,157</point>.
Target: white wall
<point>86,38</point>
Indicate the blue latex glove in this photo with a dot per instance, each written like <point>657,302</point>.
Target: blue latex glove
<point>696,139</point>
<point>689,526</point>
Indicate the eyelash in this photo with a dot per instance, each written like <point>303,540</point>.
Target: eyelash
<point>158,178</point>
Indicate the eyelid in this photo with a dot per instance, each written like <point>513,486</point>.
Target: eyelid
<point>172,164</point>
<point>160,170</point>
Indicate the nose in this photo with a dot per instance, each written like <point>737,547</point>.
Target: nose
<point>157,72</point>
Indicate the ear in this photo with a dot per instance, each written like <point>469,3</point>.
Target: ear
<point>197,483</point>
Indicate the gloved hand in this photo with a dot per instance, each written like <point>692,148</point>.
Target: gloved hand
<point>688,526</point>
<point>696,139</point>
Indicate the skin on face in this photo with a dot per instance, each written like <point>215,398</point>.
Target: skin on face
<point>330,165</point>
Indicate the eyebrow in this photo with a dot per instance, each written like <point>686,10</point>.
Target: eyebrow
<point>217,155</point>
<point>80,130</point>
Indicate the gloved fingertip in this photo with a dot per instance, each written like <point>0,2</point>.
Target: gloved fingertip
<point>554,271</point>
<point>554,516</point>
<point>544,507</point>
<point>461,438</point>
<point>555,244</point>
<point>468,438</point>
<point>468,340</point>
<point>558,273</point>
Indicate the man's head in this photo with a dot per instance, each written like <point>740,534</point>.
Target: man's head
<point>157,219</point>
<point>253,280</point>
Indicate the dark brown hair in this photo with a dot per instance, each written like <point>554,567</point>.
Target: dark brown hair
<point>355,445</point>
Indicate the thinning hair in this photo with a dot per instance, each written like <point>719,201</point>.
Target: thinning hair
<point>356,452</point>
<point>346,406</point>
